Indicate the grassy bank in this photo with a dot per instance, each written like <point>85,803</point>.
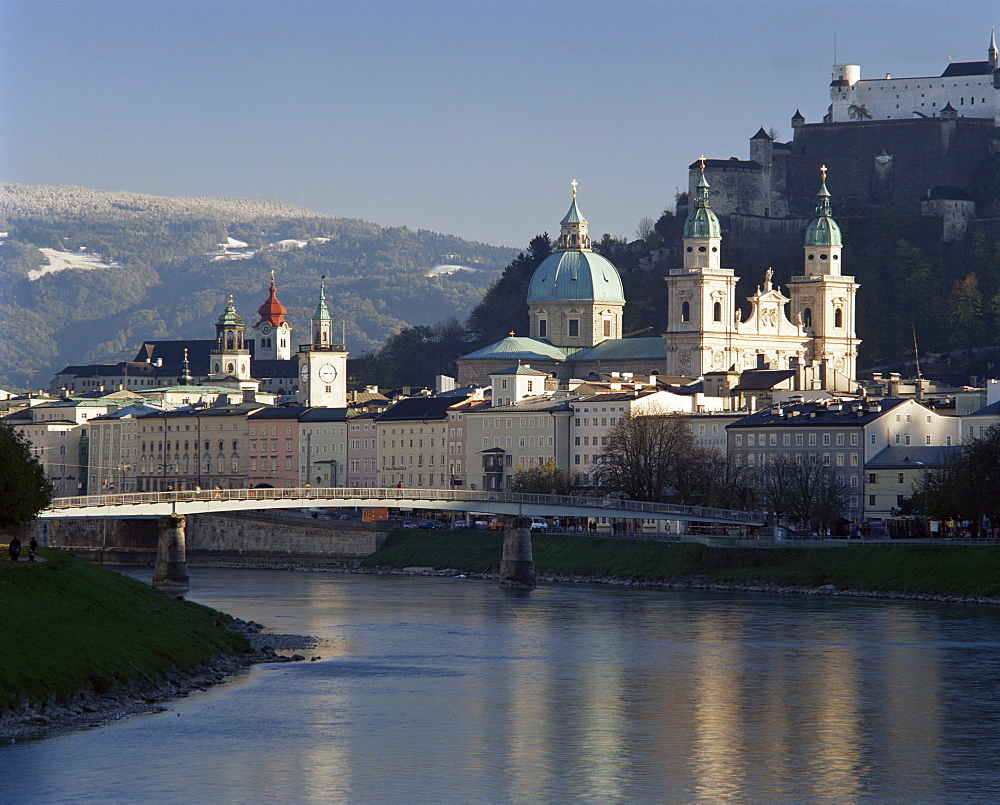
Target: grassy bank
<point>71,626</point>
<point>906,568</point>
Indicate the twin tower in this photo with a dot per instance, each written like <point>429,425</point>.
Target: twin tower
<point>575,303</point>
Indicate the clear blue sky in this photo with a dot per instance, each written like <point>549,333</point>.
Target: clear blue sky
<point>458,116</point>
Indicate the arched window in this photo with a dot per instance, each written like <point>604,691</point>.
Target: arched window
<point>717,311</point>
<point>685,311</point>
<point>807,317</point>
<point>838,318</point>
<point>229,339</point>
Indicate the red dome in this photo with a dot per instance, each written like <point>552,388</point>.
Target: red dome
<point>272,310</point>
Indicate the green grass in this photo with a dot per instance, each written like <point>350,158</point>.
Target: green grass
<point>73,626</point>
<point>906,568</point>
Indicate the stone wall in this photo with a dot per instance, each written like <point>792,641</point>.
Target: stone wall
<point>215,538</point>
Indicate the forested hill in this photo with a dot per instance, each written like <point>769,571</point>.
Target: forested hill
<point>87,275</point>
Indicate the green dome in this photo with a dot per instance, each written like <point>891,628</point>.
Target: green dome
<point>823,230</point>
<point>576,276</point>
<point>229,317</point>
<point>701,221</point>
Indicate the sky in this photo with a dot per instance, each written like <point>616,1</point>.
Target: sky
<point>463,117</point>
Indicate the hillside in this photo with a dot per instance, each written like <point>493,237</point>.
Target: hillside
<point>118,268</point>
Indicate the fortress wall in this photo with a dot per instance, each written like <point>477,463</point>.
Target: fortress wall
<point>926,153</point>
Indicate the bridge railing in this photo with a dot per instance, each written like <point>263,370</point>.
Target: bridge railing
<point>443,496</point>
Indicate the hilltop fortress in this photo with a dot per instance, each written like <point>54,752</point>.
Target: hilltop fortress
<point>887,142</point>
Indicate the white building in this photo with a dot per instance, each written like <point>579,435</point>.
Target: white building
<point>971,88</point>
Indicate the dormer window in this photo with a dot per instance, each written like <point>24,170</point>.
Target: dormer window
<point>542,328</point>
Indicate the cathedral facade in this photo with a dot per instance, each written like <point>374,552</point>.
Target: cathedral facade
<point>575,303</point>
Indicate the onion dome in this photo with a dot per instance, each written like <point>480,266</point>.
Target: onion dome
<point>823,230</point>
<point>701,221</point>
<point>272,311</point>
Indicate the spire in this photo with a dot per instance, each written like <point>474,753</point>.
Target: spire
<point>186,378</point>
<point>823,230</point>
<point>272,311</point>
<point>574,234</point>
<point>992,54</point>
<point>322,313</point>
<point>701,221</point>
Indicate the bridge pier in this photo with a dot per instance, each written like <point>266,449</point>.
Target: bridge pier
<point>170,575</point>
<point>517,567</point>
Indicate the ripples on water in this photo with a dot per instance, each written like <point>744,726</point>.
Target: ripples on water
<point>452,690</point>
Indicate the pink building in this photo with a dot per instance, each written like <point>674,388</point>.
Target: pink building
<point>362,452</point>
<point>273,436</point>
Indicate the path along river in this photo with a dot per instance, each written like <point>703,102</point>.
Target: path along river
<point>452,690</point>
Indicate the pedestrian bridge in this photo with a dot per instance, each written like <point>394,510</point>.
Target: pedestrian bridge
<point>179,503</point>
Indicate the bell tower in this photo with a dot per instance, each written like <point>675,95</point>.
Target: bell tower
<point>271,332</point>
<point>230,357</point>
<point>322,363</point>
<point>822,298</point>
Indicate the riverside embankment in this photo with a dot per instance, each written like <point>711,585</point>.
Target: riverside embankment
<point>932,571</point>
<point>83,645</point>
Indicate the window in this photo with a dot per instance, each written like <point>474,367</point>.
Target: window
<point>542,328</point>
<point>899,477</point>
<point>574,328</point>
<point>607,328</point>
<point>838,318</point>
<point>807,317</point>
<point>871,500</point>
<point>685,311</point>
<point>717,311</point>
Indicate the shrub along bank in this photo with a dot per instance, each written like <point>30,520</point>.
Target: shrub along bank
<point>918,569</point>
<point>70,626</point>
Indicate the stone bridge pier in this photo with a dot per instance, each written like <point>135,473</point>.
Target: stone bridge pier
<point>517,567</point>
<point>171,575</point>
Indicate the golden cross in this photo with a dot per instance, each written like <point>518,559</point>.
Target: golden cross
<point>572,184</point>
<point>701,160</point>
<point>511,334</point>
<point>822,171</point>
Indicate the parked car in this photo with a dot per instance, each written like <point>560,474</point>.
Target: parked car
<point>539,524</point>
<point>409,524</point>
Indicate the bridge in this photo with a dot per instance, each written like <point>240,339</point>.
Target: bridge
<point>516,567</point>
<point>136,505</point>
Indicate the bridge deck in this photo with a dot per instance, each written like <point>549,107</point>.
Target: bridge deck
<point>159,504</point>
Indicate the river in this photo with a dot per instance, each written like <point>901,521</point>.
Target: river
<point>452,690</point>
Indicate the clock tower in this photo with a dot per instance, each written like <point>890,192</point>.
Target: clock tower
<point>322,364</point>
<point>272,333</point>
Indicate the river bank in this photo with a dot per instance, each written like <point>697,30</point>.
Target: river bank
<point>899,571</point>
<point>84,645</point>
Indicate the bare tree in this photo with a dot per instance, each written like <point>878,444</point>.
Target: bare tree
<point>647,457</point>
<point>645,228</point>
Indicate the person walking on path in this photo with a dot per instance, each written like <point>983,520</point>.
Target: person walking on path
<point>32,549</point>
<point>14,549</point>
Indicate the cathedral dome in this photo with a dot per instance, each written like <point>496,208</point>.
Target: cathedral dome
<point>272,311</point>
<point>576,276</point>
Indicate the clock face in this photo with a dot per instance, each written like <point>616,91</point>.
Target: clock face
<point>327,372</point>
<point>304,373</point>
<point>265,328</point>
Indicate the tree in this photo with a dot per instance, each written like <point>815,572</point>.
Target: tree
<point>648,457</point>
<point>24,489</point>
<point>806,490</point>
<point>966,487</point>
<point>965,305</point>
<point>544,479</point>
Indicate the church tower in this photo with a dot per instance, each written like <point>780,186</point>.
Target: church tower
<point>822,298</point>
<point>229,358</point>
<point>701,296</point>
<point>272,333</point>
<point>322,363</point>
<point>575,297</point>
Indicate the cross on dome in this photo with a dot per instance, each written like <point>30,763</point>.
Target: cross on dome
<point>822,171</point>
<point>574,184</point>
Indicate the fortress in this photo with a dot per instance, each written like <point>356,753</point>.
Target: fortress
<point>887,142</point>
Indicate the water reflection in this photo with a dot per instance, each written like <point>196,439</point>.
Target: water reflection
<point>447,690</point>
